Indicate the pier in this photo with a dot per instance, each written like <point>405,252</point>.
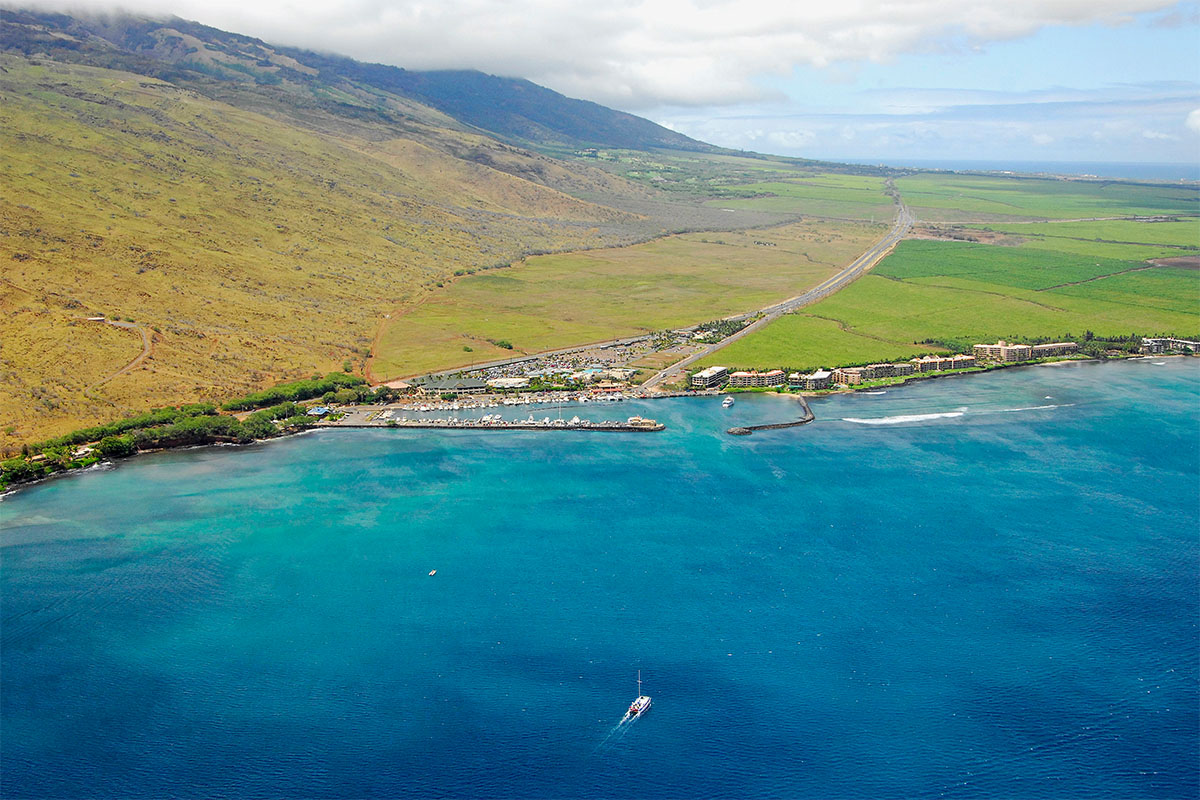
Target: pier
<point>806,418</point>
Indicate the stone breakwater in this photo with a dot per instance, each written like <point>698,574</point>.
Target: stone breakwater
<point>806,418</point>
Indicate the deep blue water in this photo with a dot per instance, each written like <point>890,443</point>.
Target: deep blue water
<point>999,603</point>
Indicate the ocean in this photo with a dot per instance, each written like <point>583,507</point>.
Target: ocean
<point>1138,171</point>
<point>979,586</point>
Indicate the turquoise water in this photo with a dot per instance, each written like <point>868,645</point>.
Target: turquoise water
<point>982,586</point>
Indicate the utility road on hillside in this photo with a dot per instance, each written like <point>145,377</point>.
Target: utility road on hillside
<point>900,227</point>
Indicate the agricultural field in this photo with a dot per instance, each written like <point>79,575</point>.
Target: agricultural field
<point>821,195</point>
<point>966,198</point>
<point>936,291</point>
<point>555,301</point>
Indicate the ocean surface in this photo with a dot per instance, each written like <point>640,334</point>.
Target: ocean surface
<point>974,587</point>
<point>1148,171</point>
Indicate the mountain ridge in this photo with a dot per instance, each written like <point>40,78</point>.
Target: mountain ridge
<point>513,109</point>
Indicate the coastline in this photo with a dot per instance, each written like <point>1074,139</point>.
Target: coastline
<point>113,463</point>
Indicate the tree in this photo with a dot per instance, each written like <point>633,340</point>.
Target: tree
<point>116,446</point>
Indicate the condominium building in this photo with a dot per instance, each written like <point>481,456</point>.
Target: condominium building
<point>1169,345</point>
<point>712,376</point>
<point>1054,349</point>
<point>817,380</point>
<point>745,380</point>
<point>1003,351</point>
<point>848,375</point>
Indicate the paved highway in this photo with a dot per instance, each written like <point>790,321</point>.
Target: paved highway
<point>900,227</point>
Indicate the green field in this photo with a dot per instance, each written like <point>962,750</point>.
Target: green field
<point>934,196</point>
<point>951,291</point>
<point>554,301</point>
<point>1125,239</point>
<point>821,195</point>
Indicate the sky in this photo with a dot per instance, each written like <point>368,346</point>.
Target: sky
<point>867,80</point>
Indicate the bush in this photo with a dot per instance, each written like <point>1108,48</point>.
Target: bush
<point>296,390</point>
<point>116,446</point>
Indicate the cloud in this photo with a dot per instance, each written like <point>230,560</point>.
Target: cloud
<point>1129,123</point>
<point>1192,123</point>
<point>636,54</point>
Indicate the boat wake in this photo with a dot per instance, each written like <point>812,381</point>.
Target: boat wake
<point>903,418</point>
<point>616,733</point>
<point>1035,408</point>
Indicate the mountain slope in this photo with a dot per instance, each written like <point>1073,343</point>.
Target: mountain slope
<point>243,219</point>
<point>510,108</point>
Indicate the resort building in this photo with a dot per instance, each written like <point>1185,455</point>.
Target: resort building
<point>438,386</point>
<point>821,379</point>
<point>746,380</point>
<point>848,375</point>
<point>1003,351</point>
<point>1054,349</point>
<point>1169,345</point>
<point>710,377</point>
<point>963,361</point>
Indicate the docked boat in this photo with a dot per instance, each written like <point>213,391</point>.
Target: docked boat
<point>727,402</point>
<point>638,706</point>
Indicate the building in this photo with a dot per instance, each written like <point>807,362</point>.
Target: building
<point>508,383</point>
<point>1169,345</point>
<point>710,377</point>
<point>821,379</point>
<point>431,386</point>
<point>1003,351</point>
<point>1054,349</point>
<point>900,370</point>
<point>848,375</point>
<point>746,380</point>
<point>963,362</point>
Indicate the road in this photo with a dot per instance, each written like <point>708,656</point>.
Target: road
<point>900,227</point>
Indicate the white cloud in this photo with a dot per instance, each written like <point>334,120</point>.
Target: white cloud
<point>1192,123</point>
<point>636,54</point>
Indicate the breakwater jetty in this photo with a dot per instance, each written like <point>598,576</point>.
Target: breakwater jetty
<point>806,418</point>
<point>494,422</point>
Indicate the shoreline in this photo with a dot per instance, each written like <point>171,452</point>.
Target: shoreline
<point>107,464</point>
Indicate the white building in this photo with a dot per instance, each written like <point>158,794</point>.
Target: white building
<point>710,377</point>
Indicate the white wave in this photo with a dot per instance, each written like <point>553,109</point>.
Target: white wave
<point>1035,408</point>
<point>903,418</point>
<point>873,392</point>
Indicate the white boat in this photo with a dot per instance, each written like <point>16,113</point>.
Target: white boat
<point>727,402</point>
<point>638,706</point>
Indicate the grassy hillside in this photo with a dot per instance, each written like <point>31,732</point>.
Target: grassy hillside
<point>253,249</point>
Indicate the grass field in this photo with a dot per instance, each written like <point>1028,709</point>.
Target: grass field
<point>821,195</point>
<point>559,300</point>
<point>951,291</point>
<point>964,197</point>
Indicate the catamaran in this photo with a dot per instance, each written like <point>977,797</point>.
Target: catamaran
<point>640,704</point>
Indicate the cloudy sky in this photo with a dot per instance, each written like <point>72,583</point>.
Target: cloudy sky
<point>876,80</point>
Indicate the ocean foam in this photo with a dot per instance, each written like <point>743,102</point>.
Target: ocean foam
<point>903,418</point>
